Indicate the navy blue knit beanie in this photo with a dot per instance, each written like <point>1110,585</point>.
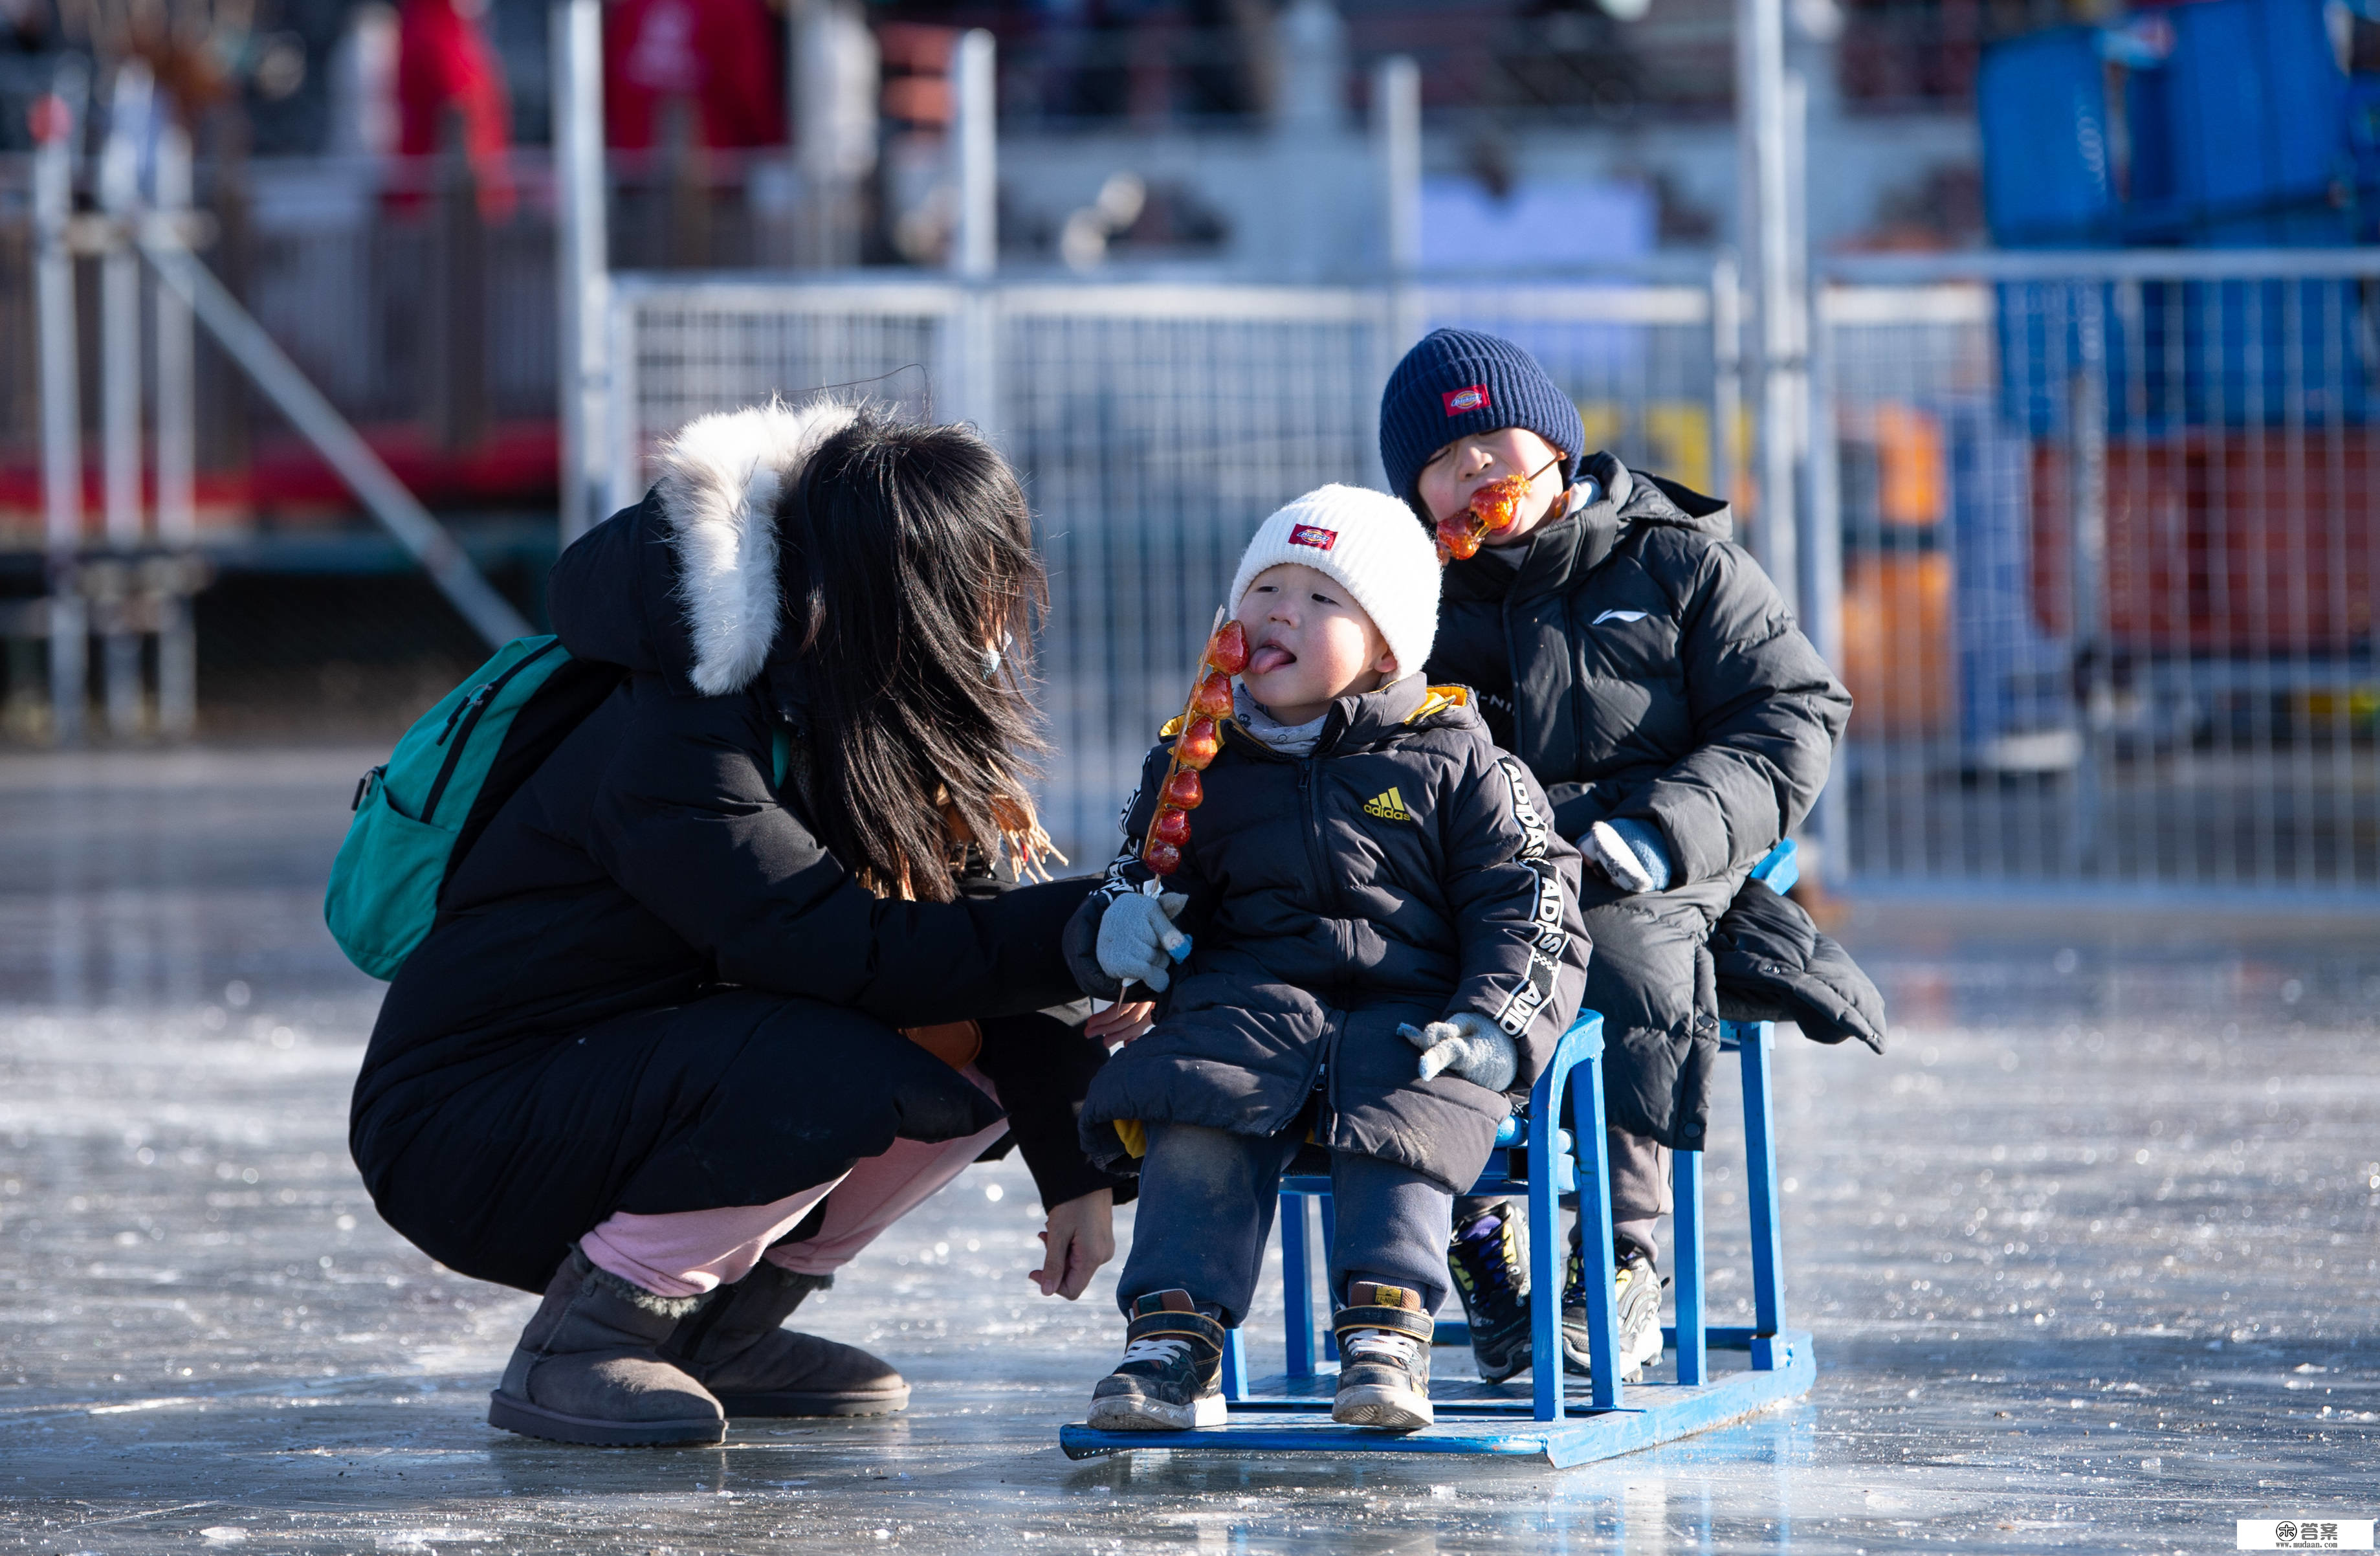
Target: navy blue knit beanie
<point>1461,380</point>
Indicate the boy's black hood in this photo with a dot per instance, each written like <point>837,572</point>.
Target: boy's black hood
<point>1370,718</point>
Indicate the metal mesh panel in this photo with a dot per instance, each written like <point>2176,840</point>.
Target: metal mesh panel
<point>2109,540</point>
<point>685,350</point>
<point>2109,554</point>
<point>1153,440</point>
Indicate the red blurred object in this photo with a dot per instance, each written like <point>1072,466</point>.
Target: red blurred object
<point>1198,745</point>
<point>1228,649</point>
<point>49,118</point>
<point>718,58</point>
<point>1172,827</point>
<point>1183,791</point>
<point>1161,858</point>
<point>1497,504</point>
<point>287,483</point>
<point>916,59</point>
<point>2222,542</point>
<point>445,68</point>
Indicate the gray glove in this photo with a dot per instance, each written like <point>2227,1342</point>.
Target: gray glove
<point>1137,940</point>
<point>1467,1045</point>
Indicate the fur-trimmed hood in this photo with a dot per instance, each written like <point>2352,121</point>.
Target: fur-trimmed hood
<point>684,583</point>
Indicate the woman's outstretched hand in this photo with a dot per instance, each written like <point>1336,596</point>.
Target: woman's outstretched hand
<point>1079,1238</point>
<point>1120,1024</point>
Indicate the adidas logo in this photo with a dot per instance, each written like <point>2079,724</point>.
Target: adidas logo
<point>1389,805</point>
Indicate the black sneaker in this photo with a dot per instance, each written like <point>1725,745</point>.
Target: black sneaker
<point>1383,1359</point>
<point>1489,1262</point>
<point>1636,1292</point>
<point>1172,1375</point>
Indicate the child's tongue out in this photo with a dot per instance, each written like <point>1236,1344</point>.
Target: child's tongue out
<point>1268,658</point>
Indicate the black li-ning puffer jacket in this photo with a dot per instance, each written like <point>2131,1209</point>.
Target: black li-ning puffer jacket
<point>1643,666</point>
<point>1403,873</point>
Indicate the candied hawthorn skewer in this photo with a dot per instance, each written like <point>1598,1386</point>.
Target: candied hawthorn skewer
<point>1197,740</point>
<point>1494,509</point>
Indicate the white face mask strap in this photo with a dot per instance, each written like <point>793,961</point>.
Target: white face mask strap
<point>991,657</point>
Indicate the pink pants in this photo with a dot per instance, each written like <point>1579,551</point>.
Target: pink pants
<point>685,1253</point>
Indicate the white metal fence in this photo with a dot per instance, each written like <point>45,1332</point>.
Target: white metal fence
<point>1155,427</point>
<point>2127,645</point>
<point>2110,531</point>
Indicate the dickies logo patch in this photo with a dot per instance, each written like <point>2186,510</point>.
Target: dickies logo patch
<point>1313,535</point>
<point>1469,397</point>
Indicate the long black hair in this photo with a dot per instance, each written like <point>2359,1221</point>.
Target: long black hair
<point>906,552</point>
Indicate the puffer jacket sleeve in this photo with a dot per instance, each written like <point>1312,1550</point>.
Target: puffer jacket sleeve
<point>688,822</point>
<point>1043,1067</point>
<point>1766,713</point>
<point>1512,883</point>
<point>1774,964</point>
<point>1124,875</point>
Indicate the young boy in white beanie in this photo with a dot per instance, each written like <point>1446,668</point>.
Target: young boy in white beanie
<point>1377,941</point>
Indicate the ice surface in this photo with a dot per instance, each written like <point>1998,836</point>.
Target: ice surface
<point>2090,1258</point>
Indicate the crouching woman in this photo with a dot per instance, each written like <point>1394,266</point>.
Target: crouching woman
<point>745,970</point>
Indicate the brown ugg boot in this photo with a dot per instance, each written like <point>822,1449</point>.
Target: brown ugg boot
<point>735,1347</point>
<point>589,1367</point>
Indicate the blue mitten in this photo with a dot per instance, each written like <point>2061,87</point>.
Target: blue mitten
<point>1467,1045</point>
<point>1139,941</point>
<point>1631,855</point>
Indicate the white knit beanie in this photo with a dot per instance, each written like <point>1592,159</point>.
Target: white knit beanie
<point>1371,544</point>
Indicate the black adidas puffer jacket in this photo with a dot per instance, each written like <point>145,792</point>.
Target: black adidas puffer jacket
<point>1403,873</point>
<point>1644,666</point>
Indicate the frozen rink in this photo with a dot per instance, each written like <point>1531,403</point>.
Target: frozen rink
<point>2092,1257</point>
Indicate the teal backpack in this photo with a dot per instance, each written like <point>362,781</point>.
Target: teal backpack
<point>418,813</point>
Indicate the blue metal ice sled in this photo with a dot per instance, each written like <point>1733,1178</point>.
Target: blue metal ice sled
<point>1563,1420</point>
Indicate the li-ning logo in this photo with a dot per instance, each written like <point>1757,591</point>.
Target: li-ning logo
<point>1469,397</point>
<point>1313,535</point>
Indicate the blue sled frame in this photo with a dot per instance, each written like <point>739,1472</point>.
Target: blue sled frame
<point>1564,1421</point>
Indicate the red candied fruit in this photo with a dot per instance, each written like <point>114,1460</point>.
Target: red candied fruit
<point>1497,503</point>
<point>1228,649</point>
<point>1163,858</point>
<point>1172,827</point>
<point>1459,536</point>
<point>1198,745</point>
<point>1182,792</point>
<point>1213,698</point>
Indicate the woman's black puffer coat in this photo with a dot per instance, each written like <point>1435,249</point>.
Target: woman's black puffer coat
<point>1402,873</point>
<point>649,987</point>
<point>1644,668</point>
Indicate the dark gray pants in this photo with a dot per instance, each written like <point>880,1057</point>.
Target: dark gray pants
<point>1207,1203</point>
<point>1640,1195</point>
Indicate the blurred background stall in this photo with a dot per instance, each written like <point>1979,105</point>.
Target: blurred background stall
<point>2031,337</point>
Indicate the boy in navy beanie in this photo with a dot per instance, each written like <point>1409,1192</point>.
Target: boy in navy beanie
<point>1644,668</point>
